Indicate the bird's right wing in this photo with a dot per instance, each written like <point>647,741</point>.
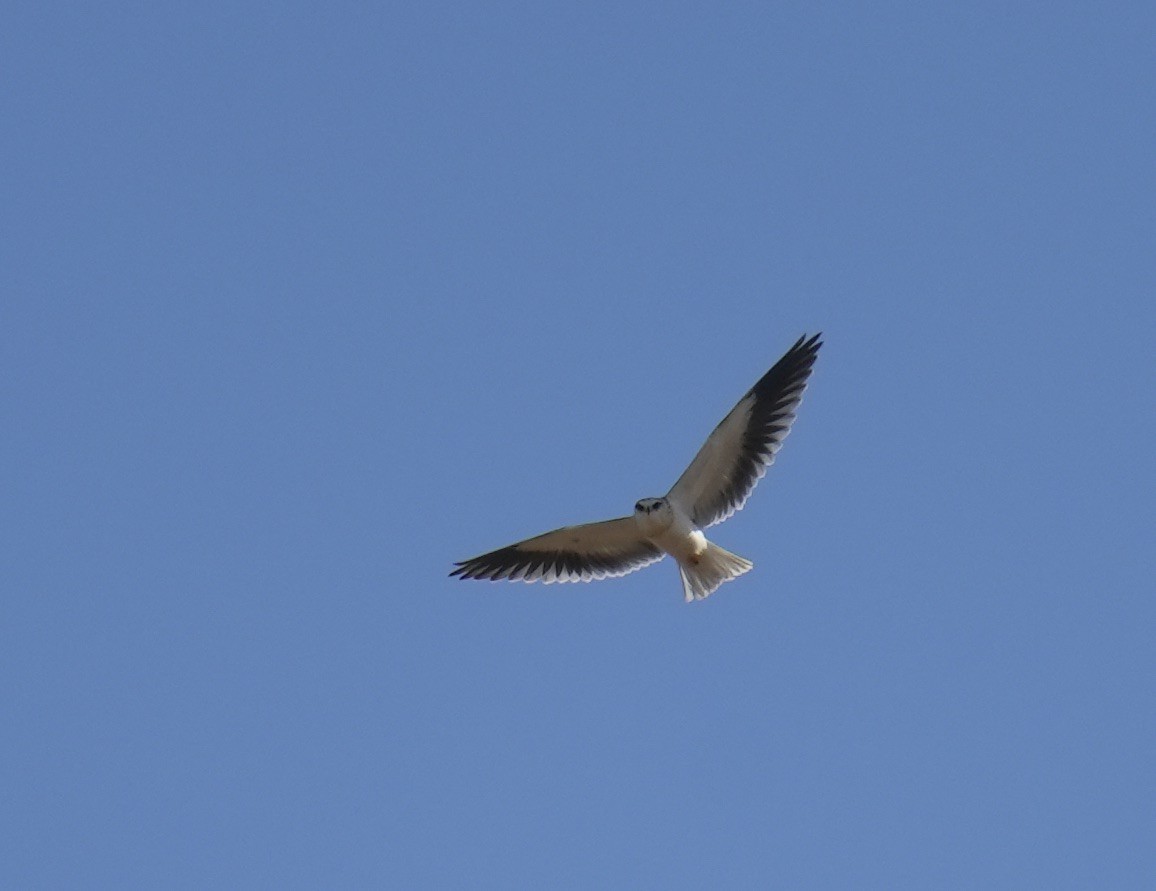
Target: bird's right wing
<point>570,554</point>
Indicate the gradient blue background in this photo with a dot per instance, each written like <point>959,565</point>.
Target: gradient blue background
<point>301,302</point>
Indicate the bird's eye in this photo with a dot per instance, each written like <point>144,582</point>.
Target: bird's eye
<point>638,506</point>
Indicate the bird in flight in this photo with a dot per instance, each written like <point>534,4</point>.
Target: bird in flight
<point>715,485</point>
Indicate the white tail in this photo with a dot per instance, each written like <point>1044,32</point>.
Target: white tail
<point>715,566</point>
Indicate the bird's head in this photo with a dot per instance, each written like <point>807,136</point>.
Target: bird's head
<point>649,505</point>
<point>653,515</point>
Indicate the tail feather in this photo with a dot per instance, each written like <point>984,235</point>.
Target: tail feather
<point>715,566</point>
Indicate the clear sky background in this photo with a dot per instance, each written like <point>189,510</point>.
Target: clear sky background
<point>300,303</point>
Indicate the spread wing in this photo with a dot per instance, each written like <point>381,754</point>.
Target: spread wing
<point>570,554</point>
<point>741,448</point>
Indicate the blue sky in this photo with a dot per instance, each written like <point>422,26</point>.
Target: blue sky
<point>302,303</point>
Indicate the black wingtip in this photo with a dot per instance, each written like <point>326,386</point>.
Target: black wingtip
<point>807,345</point>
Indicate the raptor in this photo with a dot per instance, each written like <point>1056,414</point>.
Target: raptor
<point>716,484</point>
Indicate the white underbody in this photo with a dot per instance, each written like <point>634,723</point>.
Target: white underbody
<point>702,565</point>
<point>671,529</point>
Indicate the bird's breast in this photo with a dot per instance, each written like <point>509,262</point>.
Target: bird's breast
<point>653,524</point>
<point>673,532</point>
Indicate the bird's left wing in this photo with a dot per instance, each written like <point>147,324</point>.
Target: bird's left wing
<point>740,449</point>
<point>570,554</point>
